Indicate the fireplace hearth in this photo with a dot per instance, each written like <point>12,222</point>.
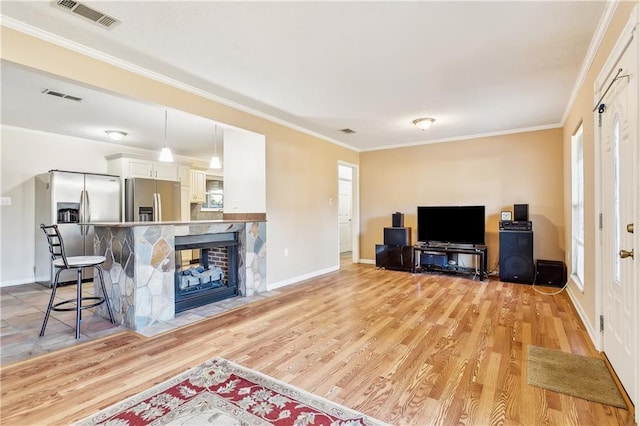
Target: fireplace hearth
<point>214,277</point>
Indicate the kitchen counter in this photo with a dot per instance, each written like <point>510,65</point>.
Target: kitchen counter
<point>140,270</point>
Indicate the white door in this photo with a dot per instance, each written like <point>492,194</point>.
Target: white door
<point>345,208</point>
<point>618,135</point>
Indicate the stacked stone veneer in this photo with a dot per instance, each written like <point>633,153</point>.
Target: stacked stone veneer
<point>140,266</point>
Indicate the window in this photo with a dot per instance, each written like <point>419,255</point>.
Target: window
<point>214,195</point>
<point>577,208</point>
<point>617,221</point>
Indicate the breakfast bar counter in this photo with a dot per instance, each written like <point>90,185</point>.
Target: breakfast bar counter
<point>140,267</point>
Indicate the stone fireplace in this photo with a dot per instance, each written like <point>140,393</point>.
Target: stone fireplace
<point>141,267</point>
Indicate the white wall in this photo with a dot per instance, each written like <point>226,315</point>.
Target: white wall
<point>26,153</point>
<point>244,167</point>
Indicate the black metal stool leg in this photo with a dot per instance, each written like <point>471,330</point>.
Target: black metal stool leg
<point>79,304</point>
<point>53,296</point>
<point>104,293</point>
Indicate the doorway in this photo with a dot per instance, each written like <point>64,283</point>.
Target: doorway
<point>348,224</point>
<point>616,121</point>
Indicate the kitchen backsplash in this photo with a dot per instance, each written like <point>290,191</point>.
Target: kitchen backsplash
<point>198,214</point>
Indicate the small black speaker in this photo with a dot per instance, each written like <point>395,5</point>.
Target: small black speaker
<point>551,272</point>
<point>397,220</point>
<point>397,236</point>
<point>520,212</point>
<point>516,256</point>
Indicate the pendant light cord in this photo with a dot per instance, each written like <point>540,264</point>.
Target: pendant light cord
<point>165,128</point>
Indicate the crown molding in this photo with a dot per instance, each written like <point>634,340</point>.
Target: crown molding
<point>467,137</point>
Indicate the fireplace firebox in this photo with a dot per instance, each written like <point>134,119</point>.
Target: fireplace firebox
<point>214,277</point>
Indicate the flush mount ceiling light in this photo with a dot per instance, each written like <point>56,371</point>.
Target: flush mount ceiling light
<point>116,135</point>
<point>424,122</point>
<point>215,160</point>
<point>165,154</point>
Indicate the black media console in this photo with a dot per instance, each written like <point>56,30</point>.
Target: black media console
<point>442,257</point>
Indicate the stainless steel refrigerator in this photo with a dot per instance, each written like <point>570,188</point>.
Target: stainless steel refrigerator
<point>68,199</point>
<point>150,200</point>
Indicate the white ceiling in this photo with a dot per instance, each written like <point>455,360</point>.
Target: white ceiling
<point>477,67</point>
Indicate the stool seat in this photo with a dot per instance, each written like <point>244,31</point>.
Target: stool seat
<point>61,261</point>
<point>80,261</point>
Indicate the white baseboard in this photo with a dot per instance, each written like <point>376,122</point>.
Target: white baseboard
<point>297,279</point>
<point>10,283</point>
<point>591,331</point>
<point>367,261</point>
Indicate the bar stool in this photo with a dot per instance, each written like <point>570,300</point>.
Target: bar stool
<point>62,262</point>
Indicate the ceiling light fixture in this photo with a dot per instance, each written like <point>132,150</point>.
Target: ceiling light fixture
<point>165,154</point>
<point>423,123</point>
<point>116,135</point>
<point>215,160</point>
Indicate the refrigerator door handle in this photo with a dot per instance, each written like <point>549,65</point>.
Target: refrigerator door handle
<point>159,205</point>
<point>83,212</point>
<point>87,211</point>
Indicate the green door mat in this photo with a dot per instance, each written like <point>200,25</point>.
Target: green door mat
<point>576,375</point>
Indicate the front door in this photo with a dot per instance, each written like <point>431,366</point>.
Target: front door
<point>618,135</point>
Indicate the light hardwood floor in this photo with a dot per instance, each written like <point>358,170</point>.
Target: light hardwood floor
<point>406,349</point>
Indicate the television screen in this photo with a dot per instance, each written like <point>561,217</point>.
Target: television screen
<point>451,224</point>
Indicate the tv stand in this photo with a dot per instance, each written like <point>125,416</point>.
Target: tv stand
<point>443,257</point>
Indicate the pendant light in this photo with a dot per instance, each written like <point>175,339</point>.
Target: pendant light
<point>215,160</point>
<point>165,154</point>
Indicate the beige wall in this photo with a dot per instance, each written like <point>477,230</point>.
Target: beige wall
<point>302,171</point>
<point>497,172</point>
<point>581,111</point>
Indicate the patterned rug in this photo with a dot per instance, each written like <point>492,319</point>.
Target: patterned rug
<point>220,392</point>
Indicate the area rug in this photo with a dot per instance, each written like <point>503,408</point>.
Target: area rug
<point>219,392</point>
<point>576,375</point>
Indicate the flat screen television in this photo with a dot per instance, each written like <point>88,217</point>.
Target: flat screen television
<point>451,224</point>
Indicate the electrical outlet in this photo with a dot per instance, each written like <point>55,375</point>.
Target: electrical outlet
<point>5,201</point>
<point>286,252</point>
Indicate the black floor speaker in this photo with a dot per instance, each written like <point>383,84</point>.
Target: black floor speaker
<point>516,256</point>
<point>399,258</point>
<point>551,272</point>
<point>397,236</point>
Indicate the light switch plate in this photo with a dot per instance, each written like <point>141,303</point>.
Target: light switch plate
<point>5,201</point>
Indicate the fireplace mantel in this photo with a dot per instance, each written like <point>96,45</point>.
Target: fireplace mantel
<point>140,266</point>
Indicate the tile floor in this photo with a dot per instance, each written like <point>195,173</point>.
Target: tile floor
<point>22,310</point>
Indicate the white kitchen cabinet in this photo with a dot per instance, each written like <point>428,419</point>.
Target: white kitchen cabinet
<point>166,171</point>
<point>184,173</point>
<point>135,167</point>
<point>198,186</point>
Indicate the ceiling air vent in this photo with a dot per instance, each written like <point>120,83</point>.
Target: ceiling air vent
<point>348,131</point>
<point>61,95</point>
<point>87,13</point>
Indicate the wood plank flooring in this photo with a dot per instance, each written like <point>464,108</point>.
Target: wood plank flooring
<point>406,349</point>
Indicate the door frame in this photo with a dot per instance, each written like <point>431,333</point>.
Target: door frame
<point>627,36</point>
<point>355,210</point>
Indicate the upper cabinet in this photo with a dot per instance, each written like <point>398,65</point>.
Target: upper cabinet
<point>198,186</point>
<point>134,167</point>
<point>184,173</point>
